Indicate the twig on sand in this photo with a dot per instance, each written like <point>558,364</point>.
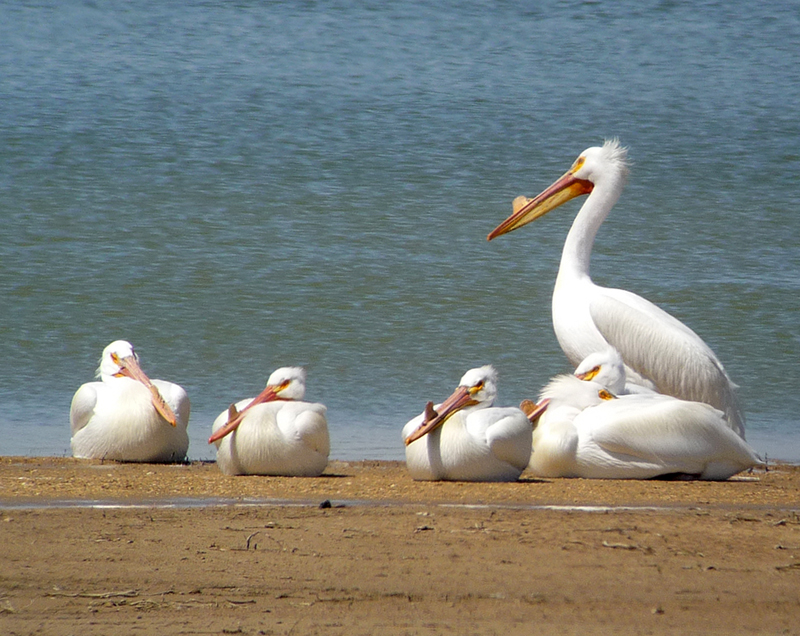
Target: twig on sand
<point>790,566</point>
<point>627,546</point>
<point>125,593</point>
<point>247,543</point>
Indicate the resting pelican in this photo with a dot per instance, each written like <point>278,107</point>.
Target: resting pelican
<point>463,439</point>
<point>657,348</point>
<point>607,369</point>
<point>586,432</point>
<point>274,433</point>
<point>127,417</point>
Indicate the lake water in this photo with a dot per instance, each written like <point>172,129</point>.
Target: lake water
<point>235,187</point>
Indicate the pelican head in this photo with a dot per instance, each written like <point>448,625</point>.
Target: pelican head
<point>567,390</point>
<point>111,362</point>
<point>120,360</point>
<point>594,168</point>
<point>566,395</point>
<point>478,387</point>
<point>286,383</point>
<point>605,368</point>
<point>481,383</point>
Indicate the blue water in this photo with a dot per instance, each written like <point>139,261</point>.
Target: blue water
<point>235,187</point>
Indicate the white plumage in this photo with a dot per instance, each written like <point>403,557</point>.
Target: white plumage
<point>586,432</point>
<point>126,416</point>
<point>463,439</point>
<point>274,433</point>
<point>658,350</point>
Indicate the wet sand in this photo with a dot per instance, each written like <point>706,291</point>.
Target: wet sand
<point>100,548</point>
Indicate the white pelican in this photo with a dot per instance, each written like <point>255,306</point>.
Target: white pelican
<point>585,431</point>
<point>607,369</point>
<point>127,417</point>
<point>656,347</point>
<point>465,440</point>
<point>274,433</point>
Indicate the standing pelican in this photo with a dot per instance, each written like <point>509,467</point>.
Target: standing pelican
<point>274,433</point>
<point>463,439</point>
<point>126,416</point>
<point>656,347</point>
<point>585,431</point>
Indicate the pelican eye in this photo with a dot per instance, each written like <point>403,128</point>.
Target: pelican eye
<point>606,395</point>
<point>477,387</point>
<point>591,374</point>
<point>577,165</point>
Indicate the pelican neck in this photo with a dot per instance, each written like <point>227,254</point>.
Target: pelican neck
<point>577,253</point>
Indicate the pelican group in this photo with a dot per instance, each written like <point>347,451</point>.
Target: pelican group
<point>465,439</point>
<point>126,416</point>
<point>275,433</point>
<point>648,396</point>
<point>659,351</point>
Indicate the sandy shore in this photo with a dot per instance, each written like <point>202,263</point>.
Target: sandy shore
<point>101,548</point>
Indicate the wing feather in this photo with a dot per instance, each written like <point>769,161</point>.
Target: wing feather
<point>670,435</point>
<point>509,437</point>
<point>82,408</point>
<point>312,427</point>
<point>659,430</point>
<point>671,356</point>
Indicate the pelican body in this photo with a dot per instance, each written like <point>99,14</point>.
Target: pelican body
<point>659,351</point>
<point>465,439</point>
<point>586,432</point>
<point>274,433</point>
<point>126,416</point>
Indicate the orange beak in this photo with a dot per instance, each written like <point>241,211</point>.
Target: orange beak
<point>534,411</point>
<point>129,368</point>
<point>462,397</point>
<point>269,394</point>
<point>566,188</point>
